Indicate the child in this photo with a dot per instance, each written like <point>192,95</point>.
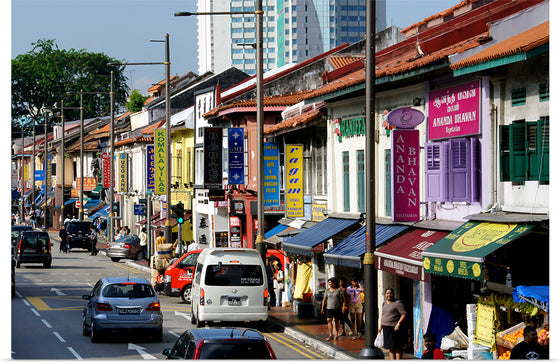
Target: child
<point>431,351</point>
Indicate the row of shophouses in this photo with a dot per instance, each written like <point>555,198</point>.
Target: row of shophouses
<point>474,173</point>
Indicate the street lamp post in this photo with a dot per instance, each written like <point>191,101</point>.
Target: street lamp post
<point>46,159</point>
<point>260,114</point>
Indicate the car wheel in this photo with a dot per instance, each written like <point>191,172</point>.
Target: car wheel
<point>85,330</point>
<point>193,319</point>
<point>158,335</point>
<point>115,259</point>
<point>18,265</point>
<point>139,255</point>
<point>94,334</point>
<point>186,294</point>
<point>47,265</point>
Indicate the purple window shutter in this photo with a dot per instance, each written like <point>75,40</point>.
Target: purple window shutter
<point>436,185</point>
<point>459,170</point>
<point>475,170</point>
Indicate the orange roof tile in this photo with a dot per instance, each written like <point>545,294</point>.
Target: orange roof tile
<point>125,141</point>
<point>295,120</point>
<point>441,14</point>
<point>341,60</point>
<point>519,43</point>
<point>149,130</point>
<point>161,84</point>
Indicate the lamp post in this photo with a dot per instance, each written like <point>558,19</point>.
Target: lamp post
<point>167,63</point>
<point>46,159</point>
<point>260,115</point>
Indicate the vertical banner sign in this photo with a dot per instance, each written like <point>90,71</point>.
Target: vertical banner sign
<point>160,156</point>
<point>236,159</point>
<point>405,173</point>
<point>213,158</point>
<point>235,231</point>
<point>150,165</point>
<point>48,173</point>
<point>294,180</point>
<point>106,157</point>
<point>123,172</point>
<point>485,332</point>
<point>271,174</point>
<point>454,111</point>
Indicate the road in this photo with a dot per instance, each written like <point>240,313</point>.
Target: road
<point>47,314</point>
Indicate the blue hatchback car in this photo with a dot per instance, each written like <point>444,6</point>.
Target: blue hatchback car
<point>122,304</point>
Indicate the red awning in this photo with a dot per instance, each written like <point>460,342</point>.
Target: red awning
<point>403,256</point>
<point>154,217</point>
<point>161,222</point>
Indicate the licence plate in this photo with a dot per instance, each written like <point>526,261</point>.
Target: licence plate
<point>234,301</point>
<point>129,311</point>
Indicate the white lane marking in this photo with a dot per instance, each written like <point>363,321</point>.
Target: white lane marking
<point>74,353</point>
<point>26,302</point>
<point>140,350</point>
<point>58,292</point>
<point>173,333</point>
<point>19,294</point>
<point>35,312</point>
<point>187,316</point>
<point>59,337</point>
<point>47,324</point>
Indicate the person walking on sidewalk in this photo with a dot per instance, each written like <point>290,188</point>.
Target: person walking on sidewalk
<point>344,319</point>
<point>144,243</point>
<point>393,314</point>
<point>93,238</point>
<point>63,235</point>
<point>354,292</point>
<point>333,301</point>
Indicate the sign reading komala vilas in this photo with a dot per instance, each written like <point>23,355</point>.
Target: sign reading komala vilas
<point>454,111</point>
<point>405,173</point>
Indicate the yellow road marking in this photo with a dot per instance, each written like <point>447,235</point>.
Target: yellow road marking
<point>286,341</point>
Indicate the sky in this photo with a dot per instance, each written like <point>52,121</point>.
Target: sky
<point>122,29</point>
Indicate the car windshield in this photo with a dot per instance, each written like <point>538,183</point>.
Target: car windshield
<point>129,289</point>
<point>35,240</point>
<point>17,231</point>
<point>75,227</point>
<point>234,349</point>
<point>234,275</point>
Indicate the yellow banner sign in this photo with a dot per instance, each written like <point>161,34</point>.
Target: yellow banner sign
<point>160,158</point>
<point>89,183</point>
<point>485,333</point>
<point>294,180</point>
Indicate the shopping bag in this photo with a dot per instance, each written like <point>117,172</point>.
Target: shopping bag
<point>379,340</point>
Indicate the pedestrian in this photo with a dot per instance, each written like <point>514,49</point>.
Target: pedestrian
<point>32,218</point>
<point>529,348</point>
<point>432,352</point>
<point>344,319</point>
<point>393,314</point>
<point>160,239</point>
<point>93,238</point>
<point>279,283</point>
<point>270,282</point>
<point>144,243</point>
<point>103,226</point>
<point>63,235</point>
<point>333,301</point>
<point>118,232</point>
<point>193,246</point>
<point>355,307</point>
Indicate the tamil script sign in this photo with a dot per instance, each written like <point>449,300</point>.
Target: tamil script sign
<point>151,168</point>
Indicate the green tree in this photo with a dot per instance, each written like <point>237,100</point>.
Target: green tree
<point>42,77</point>
<point>136,101</point>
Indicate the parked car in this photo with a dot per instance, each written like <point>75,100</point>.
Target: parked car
<point>221,343</point>
<point>122,304</point>
<point>13,276</point>
<point>79,233</point>
<point>16,230</point>
<point>34,247</point>
<point>127,246</point>
<point>178,277</point>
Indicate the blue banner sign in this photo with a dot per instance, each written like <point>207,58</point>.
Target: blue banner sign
<point>151,165</point>
<point>236,156</point>
<point>271,174</point>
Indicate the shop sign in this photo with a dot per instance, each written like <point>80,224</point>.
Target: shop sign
<point>48,176</point>
<point>353,127</point>
<point>454,111</point>
<point>160,157</point>
<point>238,207</point>
<point>318,248</point>
<point>151,168</point>
<point>74,193</point>
<point>213,158</point>
<point>106,158</point>
<point>485,332</point>
<point>236,156</point>
<point>89,183</point>
<point>294,180</point>
<point>123,172</point>
<point>405,118</point>
<point>216,195</point>
<point>400,268</point>
<point>235,231</point>
<point>317,212</point>
<point>271,174</point>
<point>405,171</point>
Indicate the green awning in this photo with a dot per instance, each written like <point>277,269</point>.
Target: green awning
<point>97,189</point>
<point>461,253</point>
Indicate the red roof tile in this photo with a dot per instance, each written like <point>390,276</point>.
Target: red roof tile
<point>149,130</point>
<point>295,120</point>
<point>441,14</point>
<point>341,60</point>
<point>519,43</point>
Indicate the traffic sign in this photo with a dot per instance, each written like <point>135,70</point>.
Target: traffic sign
<point>139,209</point>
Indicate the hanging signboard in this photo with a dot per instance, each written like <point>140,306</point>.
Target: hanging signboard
<point>106,158</point>
<point>236,156</point>
<point>271,174</point>
<point>213,158</point>
<point>151,168</point>
<point>89,183</point>
<point>123,172</point>
<point>160,158</point>
<point>294,180</point>
<point>405,172</point>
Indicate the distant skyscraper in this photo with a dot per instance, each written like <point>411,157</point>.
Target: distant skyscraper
<point>293,31</point>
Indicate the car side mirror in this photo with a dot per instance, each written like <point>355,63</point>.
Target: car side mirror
<point>166,352</point>
<point>86,297</point>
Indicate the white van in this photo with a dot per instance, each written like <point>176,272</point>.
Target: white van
<point>229,285</point>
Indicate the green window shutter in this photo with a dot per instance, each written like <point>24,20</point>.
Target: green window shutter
<point>361,181</point>
<point>518,97</point>
<point>504,153</point>
<point>543,149</point>
<point>533,158</point>
<point>346,180</point>
<point>518,154</point>
<point>544,92</point>
<point>388,195</point>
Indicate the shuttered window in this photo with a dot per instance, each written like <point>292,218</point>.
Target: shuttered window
<point>361,181</point>
<point>388,194</point>
<point>518,97</point>
<point>453,170</point>
<point>346,180</point>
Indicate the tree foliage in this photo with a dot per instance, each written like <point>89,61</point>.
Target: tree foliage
<point>136,101</point>
<point>42,77</point>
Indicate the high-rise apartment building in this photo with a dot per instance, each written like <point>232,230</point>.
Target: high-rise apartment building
<point>293,31</point>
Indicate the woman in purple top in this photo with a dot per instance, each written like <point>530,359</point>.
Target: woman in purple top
<point>354,292</point>
<point>393,314</point>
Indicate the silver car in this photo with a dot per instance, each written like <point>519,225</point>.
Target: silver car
<point>122,304</point>
<point>125,247</point>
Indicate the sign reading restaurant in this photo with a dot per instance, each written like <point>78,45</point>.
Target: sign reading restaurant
<point>454,111</point>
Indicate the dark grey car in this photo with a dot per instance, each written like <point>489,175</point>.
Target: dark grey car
<point>34,247</point>
<point>79,234</point>
<point>127,246</point>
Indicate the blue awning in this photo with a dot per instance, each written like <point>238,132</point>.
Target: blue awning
<point>40,199</point>
<point>27,194</point>
<point>92,204</point>
<point>275,230</point>
<point>68,202</point>
<point>103,213</point>
<point>535,295</point>
<point>349,251</point>
<point>303,242</point>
